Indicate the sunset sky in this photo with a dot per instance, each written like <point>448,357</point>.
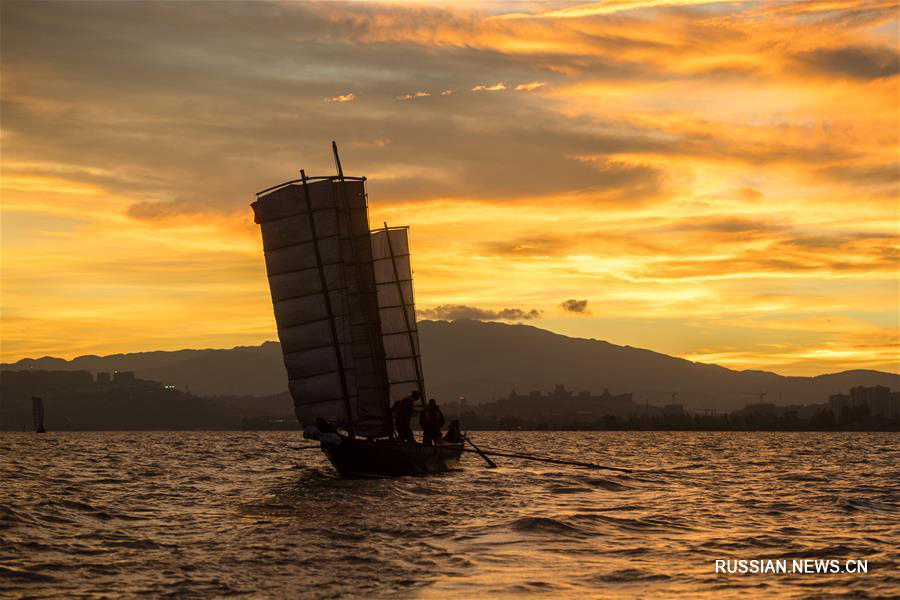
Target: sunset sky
<point>718,181</point>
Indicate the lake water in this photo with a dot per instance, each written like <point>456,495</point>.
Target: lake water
<point>213,514</point>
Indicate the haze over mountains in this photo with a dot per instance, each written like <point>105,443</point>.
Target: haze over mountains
<point>485,360</point>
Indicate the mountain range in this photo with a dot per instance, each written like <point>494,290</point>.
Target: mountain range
<point>485,360</point>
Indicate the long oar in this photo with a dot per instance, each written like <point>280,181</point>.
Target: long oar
<point>547,460</point>
<point>491,464</point>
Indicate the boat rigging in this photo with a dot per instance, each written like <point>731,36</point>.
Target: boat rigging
<point>345,311</point>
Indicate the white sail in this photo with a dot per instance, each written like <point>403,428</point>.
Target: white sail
<point>396,307</point>
<point>319,267</point>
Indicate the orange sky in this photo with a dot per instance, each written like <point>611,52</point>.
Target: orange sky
<point>718,181</point>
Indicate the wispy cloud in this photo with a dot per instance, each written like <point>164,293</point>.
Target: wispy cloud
<point>532,85</point>
<point>609,7</point>
<point>349,97</point>
<point>414,96</point>
<point>497,87</point>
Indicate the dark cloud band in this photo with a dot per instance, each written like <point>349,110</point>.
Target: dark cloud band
<point>452,312</point>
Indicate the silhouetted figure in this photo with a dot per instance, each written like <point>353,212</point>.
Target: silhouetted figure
<point>431,419</point>
<point>453,435</point>
<point>324,426</point>
<point>403,412</point>
<point>324,431</point>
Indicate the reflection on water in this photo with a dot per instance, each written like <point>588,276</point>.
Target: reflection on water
<point>225,513</point>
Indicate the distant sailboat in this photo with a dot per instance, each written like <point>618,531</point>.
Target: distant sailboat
<point>37,411</point>
<point>344,307</point>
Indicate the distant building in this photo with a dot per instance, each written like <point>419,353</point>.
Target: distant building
<point>838,402</point>
<point>103,377</point>
<point>562,405</point>
<point>880,401</point>
<point>673,410</point>
<point>762,409</point>
<point>123,377</point>
<point>877,398</point>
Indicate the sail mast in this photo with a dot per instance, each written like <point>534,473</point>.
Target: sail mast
<point>37,407</point>
<point>409,331</point>
<point>337,160</point>
<point>328,308</point>
<point>373,329</point>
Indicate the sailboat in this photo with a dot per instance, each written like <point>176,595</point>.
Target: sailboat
<point>37,413</point>
<point>345,313</point>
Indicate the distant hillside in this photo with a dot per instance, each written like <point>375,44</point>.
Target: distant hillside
<point>240,371</point>
<point>482,360</point>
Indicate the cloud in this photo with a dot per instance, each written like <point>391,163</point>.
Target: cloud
<point>151,211</point>
<point>414,96</point>
<point>864,175</point>
<point>725,225</point>
<point>349,97</point>
<point>533,245</point>
<point>750,194</point>
<point>608,7</point>
<point>446,92</point>
<point>502,87</point>
<point>450,312</point>
<point>497,87</point>
<point>849,13</point>
<point>855,62</point>
<point>800,257</point>
<point>575,306</point>
<point>684,161</point>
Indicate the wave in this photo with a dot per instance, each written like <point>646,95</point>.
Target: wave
<point>868,506</point>
<point>629,576</point>
<point>644,523</point>
<point>825,552</point>
<point>608,484</point>
<point>543,525</point>
<point>24,575</point>
<point>9,518</point>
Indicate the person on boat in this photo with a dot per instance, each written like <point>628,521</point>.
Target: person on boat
<point>324,426</point>
<point>403,412</point>
<point>453,435</point>
<point>431,420</point>
<point>323,430</point>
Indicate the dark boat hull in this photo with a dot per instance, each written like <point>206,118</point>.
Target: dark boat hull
<point>385,458</point>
